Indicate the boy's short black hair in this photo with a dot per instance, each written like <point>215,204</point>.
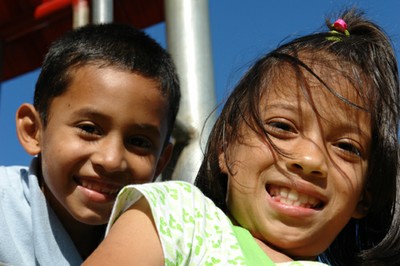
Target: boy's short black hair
<point>116,45</point>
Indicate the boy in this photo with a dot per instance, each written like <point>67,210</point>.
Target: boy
<point>104,107</point>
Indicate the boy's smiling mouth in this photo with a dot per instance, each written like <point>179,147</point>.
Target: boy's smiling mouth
<point>292,197</point>
<point>100,187</point>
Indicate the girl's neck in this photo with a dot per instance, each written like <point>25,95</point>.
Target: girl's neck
<point>274,254</point>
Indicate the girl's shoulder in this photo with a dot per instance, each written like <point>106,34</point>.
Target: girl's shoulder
<point>301,263</point>
<point>170,199</point>
<point>192,230</point>
<point>175,194</point>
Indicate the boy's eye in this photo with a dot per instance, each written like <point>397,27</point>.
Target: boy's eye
<point>349,148</point>
<point>89,129</point>
<point>140,142</point>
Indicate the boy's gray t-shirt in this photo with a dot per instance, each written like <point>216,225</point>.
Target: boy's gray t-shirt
<point>31,233</point>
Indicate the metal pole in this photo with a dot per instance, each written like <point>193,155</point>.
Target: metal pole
<point>188,39</point>
<point>102,11</point>
<point>80,13</point>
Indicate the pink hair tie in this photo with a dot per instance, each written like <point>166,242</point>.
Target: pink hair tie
<point>339,26</point>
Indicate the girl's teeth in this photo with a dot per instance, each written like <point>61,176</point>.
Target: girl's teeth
<point>284,192</point>
<point>313,201</point>
<point>293,197</point>
<point>303,198</point>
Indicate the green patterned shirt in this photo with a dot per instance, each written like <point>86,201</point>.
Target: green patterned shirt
<point>192,230</point>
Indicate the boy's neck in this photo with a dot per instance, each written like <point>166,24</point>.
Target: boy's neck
<point>85,237</point>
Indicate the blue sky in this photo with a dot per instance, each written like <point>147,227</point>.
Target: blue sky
<point>241,31</point>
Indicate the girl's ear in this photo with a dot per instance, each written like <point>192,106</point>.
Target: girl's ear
<point>223,149</point>
<point>222,163</point>
<point>363,205</point>
<point>28,128</point>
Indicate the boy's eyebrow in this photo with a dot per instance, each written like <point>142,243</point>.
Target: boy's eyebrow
<point>93,113</point>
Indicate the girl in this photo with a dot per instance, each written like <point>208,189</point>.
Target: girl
<point>302,164</point>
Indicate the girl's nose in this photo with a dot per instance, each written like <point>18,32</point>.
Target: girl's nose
<point>309,159</point>
<point>110,155</point>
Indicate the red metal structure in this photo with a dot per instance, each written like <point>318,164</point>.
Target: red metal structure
<point>27,27</point>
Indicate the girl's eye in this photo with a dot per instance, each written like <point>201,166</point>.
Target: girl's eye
<point>278,128</point>
<point>349,148</point>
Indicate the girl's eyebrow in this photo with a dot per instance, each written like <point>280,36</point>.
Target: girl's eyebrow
<point>346,126</point>
<point>282,105</point>
<point>349,127</point>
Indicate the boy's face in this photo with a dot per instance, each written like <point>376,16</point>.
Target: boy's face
<point>106,131</point>
<point>299,201</point>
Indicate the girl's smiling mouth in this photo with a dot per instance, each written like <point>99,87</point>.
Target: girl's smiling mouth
<point>291,197</point>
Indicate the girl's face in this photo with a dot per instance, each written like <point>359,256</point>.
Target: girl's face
<point>299,202</point>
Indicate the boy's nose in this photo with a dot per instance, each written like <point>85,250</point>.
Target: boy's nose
<point>110,155</point>
<point>309,159</point>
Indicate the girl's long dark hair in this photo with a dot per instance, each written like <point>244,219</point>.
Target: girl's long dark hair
<point>368,61</point>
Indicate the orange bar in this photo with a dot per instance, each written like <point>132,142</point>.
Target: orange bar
<point>50,7</point>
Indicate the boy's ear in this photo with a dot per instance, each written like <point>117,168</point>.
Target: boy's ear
<point>28,128</point>
<point>363,205</point>
<point>165,156</point>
